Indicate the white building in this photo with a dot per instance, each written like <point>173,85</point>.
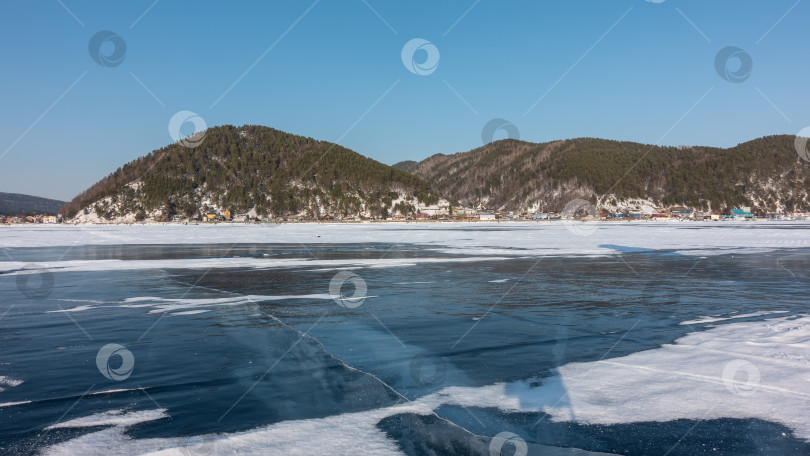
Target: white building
<point>442,208</point>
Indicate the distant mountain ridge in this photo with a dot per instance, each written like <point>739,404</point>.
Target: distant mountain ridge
<point>17,203</point>
<point>263,172</point>
<point>406,165</point>
<point>766,173</point>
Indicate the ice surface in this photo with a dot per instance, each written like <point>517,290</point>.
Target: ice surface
<point>472,238</point>
<point>704,375</point>
<point>688,379</point>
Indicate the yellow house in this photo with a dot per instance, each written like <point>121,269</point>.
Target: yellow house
<point>211,215</point>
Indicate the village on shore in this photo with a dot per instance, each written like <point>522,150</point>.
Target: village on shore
<point>444,214</point>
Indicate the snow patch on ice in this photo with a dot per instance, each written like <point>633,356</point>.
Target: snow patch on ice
<point>73,309</point>
<point>713,319</point>
<point>189,312</point>
<point>13,404</point>
<point>8,382</point>
<point>112,418</point>
<point>16,267</point>
<point>160,305</point>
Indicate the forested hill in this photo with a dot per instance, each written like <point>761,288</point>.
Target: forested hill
<point>765,173</point>
<point>268,173</point>
<point>254,169</point>
<point>18,204</point>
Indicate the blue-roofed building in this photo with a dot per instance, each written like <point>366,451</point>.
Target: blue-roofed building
<point>741,214</point>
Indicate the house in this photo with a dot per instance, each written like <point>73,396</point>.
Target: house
<point>49,219</point>
<point>682,212</point>
<point>470,213</point>
<point>539,216</point>
<point>741,214</point>
<point>435,210</point>
<point>210,216</point>
<point>487,216</point>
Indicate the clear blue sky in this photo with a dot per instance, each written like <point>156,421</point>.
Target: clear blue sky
<point>620,69</point>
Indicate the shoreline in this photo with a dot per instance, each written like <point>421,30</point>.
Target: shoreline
<point>409,222</point>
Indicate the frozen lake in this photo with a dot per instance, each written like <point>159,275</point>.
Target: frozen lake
<point>518,338</point>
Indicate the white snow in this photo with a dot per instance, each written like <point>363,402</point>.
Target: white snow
<point>713,319</point>
<point>8,382</point>
<point>73,309</point>
<point>16,267</point>
<point>521,238</point>
<point>190,312</point>
<point>13,404</point>
<point>112,418</point>
<point>191,306</point>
